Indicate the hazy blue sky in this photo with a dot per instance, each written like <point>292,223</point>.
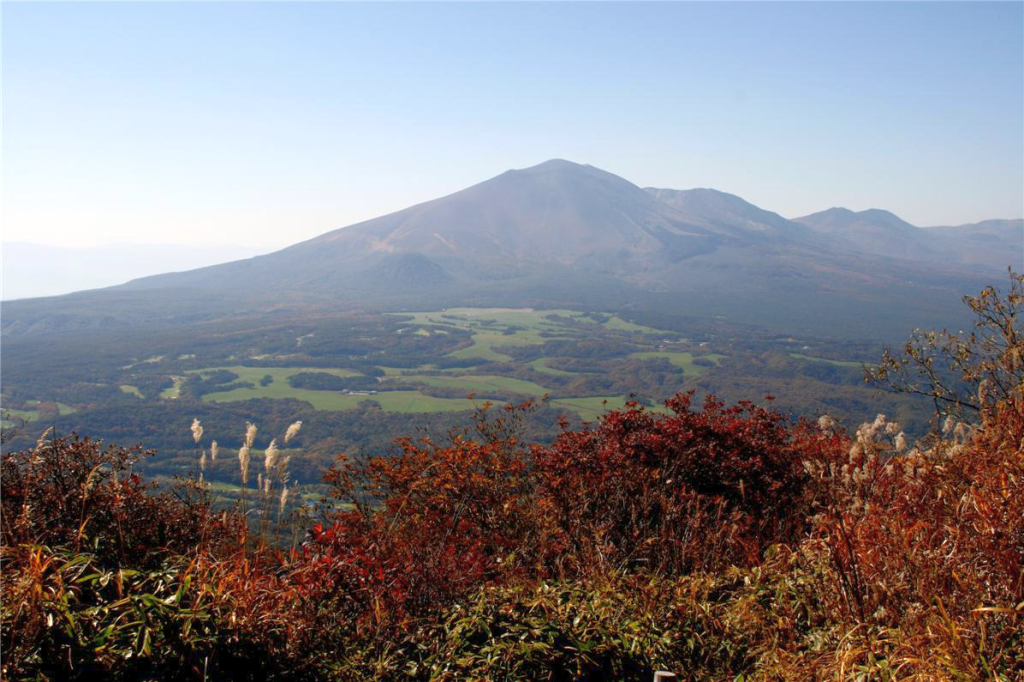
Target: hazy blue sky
<point>267,123</point>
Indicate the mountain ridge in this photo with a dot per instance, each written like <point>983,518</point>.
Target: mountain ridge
<point>574,234</point>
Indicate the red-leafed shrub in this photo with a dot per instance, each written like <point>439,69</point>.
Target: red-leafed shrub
<point>75,492</point>
<point>690,489</point>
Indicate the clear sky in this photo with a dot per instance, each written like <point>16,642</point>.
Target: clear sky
<point>264,124</point>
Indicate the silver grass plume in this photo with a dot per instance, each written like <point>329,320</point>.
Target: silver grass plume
<point>213,451</point>
<point>271,456</point>
<point>243,462</point>
<point>197,431</point>
<point>284,499</point>
<point>292,431</point>
<point>250,434</point>
<point>42,439</point>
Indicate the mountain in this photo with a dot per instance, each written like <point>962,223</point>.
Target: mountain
<point>562,234</point>
<point>411,269</point>
<point>987,241</point>
<point>557,214</point>
<point>728,212</point>
<point>989,244</point>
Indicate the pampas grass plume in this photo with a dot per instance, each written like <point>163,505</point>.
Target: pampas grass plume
<point>272,454</point>
<point>292,431</point>
<point>250,434</point>
<point>243,462</point>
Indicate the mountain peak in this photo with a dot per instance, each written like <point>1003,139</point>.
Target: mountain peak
<point>557,164</point>
<point>839,218</point>
<point>561,168</point>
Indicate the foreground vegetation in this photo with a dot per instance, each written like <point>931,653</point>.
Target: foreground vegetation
<point>720,542</point>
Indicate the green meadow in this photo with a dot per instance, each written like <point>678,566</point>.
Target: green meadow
<point>838,363</point>
<point>591,407</point>
<point>618,324</point>
<point>681,359</point>
<point>131,390</point>
<point>13,417</point>
<point>480,383</point>
<point>174,391</point>
<point>541,365</point>
<point>490,329</point>
<point>496,327</point>
<point>390,401</point>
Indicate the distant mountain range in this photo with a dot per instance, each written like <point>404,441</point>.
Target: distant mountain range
<point>569,234</point>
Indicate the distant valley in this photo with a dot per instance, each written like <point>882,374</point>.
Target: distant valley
<point>562,284</point>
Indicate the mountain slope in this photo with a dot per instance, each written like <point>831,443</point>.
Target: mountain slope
<point>992,244</point>
<point>729,212</point>
<point>987,242</point>
<point>558,213</point>
<point>567,235</point>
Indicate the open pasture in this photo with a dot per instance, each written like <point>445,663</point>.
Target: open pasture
<point>473,383</point>
<point>390,401</point>
<point>496,327</point>
<point>682,359</point>
<point>837,363</point>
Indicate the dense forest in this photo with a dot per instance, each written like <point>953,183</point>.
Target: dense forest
<point>718,541</point>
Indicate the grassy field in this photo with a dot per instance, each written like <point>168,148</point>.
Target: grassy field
<point>481,383</point>
<point>390,401</point>
<point>541,365</point>
<point>589,408</point>
<point>131,390</point>
<point>174,391</point>
<point>148,361</point>
<point>16,417</point>
<point>503,317</point>
<point>681,359</point>
<point>491,328</point>
<point>484,343</point>
<point>278,388</point>
<point>401,401</point>
<point>838,363</point>
<point>278,374</point>
<point>29,415</point>
<point>524,327</point>
<point>618,324</point>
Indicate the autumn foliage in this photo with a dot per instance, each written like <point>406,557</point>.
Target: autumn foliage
<point>720,542</point>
